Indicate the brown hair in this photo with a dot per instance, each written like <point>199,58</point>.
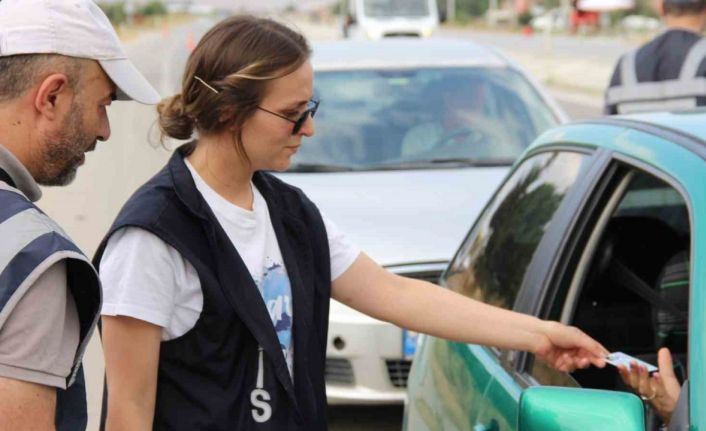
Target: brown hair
<point>21,72</point>
<point>684,8</point>
<point>235,59</point>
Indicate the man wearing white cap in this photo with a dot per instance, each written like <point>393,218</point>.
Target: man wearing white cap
<point>61,66</point>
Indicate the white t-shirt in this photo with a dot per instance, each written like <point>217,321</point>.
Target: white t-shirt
<point>145,278</point>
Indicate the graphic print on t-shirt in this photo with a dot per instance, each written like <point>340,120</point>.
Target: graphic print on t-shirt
<point>277,293</point>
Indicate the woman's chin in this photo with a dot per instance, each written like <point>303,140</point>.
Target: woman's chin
<point>281,167</point>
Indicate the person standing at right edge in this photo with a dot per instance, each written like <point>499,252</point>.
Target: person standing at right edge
<point>218,276</point>
<point>667,73</point>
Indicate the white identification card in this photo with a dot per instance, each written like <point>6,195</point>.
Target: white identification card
<point>620,358</point>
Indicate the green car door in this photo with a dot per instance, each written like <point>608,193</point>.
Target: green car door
<point>614,275</point>
<point>589,219</point>
<point>475,385</point>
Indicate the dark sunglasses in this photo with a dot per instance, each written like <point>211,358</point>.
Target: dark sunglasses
<point>299,122</point>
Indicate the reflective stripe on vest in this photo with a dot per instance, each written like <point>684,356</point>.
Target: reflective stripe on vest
<point>31,243</point>
<point>682,93</point>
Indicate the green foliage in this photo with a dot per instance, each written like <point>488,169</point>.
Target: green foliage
<point>551,4</point>
<point>524,19</point>
<point>644,7</point>
<point>153,8</point>
<point>114,11</point>
<point>466,9</point>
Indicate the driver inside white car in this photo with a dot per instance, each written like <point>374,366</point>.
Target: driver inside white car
<point>463,130</point>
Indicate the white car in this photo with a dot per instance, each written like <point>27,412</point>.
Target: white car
<point>375,19</point>
<point>640,23</point>
<point>412,138</point>
<point>556,19</point>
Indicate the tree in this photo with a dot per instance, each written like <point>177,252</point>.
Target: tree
<point>153,8</point>
<point>115,12</point>
<point>466,9</point>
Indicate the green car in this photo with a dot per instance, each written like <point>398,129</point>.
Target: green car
<point>600,225</point>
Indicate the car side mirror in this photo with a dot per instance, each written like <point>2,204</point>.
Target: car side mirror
<point>545,408</point>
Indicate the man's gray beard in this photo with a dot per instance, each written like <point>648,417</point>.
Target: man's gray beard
<point>63,152</point>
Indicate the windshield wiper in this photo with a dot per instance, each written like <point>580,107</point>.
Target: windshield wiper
<point>319,167</point>
<point>449,162</point>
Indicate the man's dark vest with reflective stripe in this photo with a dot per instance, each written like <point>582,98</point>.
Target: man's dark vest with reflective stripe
<point>37,241</point>
<point>633,96</point>
<point>228,372</point>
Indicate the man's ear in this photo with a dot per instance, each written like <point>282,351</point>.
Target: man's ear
<point>53,91</point>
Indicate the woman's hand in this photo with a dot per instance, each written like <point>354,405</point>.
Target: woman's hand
<point>567,348</point>
<point>661,389</point>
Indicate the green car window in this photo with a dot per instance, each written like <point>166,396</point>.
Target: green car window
<point>493,260</point>
<point>641,237</point>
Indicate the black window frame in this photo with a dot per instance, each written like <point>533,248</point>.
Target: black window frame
<point>594,158</point>
<point>546,256</point>
<point>619,165</point>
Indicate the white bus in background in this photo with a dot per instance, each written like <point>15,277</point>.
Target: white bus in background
<point>375,19</point>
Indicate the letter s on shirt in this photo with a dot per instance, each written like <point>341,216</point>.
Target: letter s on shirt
<point>262,411</point>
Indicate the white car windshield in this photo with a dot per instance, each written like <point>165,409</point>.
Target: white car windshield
<point>401,8</point>
<point>422,118</point>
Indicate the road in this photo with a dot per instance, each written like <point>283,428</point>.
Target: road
<point>134,153</point>
<point>576,70</point>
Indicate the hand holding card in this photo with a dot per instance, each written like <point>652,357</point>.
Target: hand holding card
<point>660,389</point>
<point>618,359</point>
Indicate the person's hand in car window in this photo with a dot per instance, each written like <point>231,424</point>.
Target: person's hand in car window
<point>660,390</point>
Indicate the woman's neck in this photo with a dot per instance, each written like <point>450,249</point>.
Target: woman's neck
<point>217,161</point>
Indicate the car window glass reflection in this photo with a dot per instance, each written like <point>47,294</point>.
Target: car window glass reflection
<point>416,118</point>
<point>492,262</point>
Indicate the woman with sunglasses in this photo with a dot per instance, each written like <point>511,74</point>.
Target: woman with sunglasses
<point>218,276</point>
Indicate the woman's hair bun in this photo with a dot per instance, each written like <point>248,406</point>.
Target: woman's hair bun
<point>173,120</point>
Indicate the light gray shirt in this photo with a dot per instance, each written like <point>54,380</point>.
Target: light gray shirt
<point>39,339</point>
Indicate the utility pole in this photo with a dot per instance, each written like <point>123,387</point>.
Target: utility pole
<point>450,10</point>
<point>129,11</point>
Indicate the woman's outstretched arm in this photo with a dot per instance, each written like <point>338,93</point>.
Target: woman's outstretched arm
<point>430,309</point>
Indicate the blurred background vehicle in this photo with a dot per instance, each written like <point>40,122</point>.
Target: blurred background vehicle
<point>375,19</point>
<point>599,226</point>
<point>411,138</point>
<point>555,19</point>
<point>640,23</point>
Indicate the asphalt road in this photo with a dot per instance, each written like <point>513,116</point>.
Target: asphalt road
<point>133,154</point>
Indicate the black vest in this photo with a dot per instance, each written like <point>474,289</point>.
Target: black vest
<point>208,378</point>
<point>668,73</point>
<point>49,245</point>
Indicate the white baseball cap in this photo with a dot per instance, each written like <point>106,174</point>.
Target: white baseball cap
<point>75,28</point>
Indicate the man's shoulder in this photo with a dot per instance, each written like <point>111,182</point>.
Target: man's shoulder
<point>20,216</point>
<point>669,40</point>
<point>12,201</point>
<point>10,193</point>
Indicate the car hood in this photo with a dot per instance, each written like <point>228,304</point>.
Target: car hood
<point>407,216</point>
